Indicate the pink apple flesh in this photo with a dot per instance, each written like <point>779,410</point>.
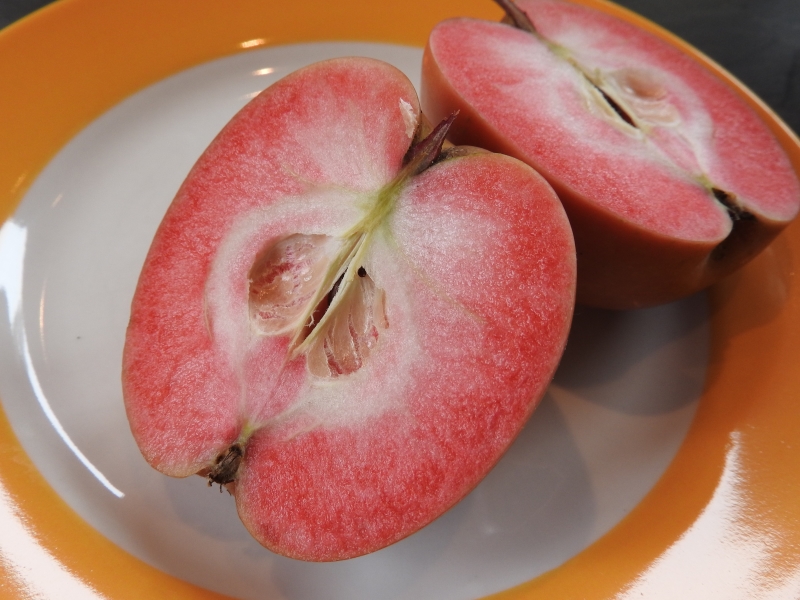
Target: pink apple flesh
<point>669,179</point>
<point>347,345</point>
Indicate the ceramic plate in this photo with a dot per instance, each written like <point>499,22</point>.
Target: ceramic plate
<point>660,464</point>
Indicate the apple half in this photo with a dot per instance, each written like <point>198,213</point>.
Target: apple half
<point>669,179</point>
<point>340,323</point>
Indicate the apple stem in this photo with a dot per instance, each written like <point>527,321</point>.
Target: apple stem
<point>418,158</point>
<point>424,153</point>
<point>516,16</point>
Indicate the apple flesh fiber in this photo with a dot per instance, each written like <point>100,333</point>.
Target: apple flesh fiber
<point>669,179</point>
<point>344,338</point>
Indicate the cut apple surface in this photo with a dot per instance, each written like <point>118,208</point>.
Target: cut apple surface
<point>669,179</point>
<point>341,324</point>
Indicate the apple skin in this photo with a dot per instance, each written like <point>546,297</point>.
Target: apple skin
<point>648,229</point>
<point>468,276</point>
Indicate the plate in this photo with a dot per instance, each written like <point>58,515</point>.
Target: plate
<point>604,495</point>
<point>78,240</point>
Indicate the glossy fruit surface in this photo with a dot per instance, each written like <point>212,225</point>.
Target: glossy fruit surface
<point>344,334</point>
<point>670,180</point>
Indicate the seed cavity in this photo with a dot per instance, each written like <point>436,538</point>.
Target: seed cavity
<point>644,95</point>
<point>636,97</point>
<point>284,279</point>
<point>346,339</point>
<point>639,83</point>
<point>290,292</point>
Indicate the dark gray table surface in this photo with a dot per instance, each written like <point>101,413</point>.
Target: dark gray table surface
<point>757,40</point>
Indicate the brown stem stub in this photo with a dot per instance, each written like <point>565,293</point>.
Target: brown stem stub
<point>515,16</point>
<point>423,154</point>
<point>226,466</point>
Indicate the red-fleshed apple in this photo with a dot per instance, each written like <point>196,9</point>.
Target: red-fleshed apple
<point>340,323</point>
<point>669,179</point>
